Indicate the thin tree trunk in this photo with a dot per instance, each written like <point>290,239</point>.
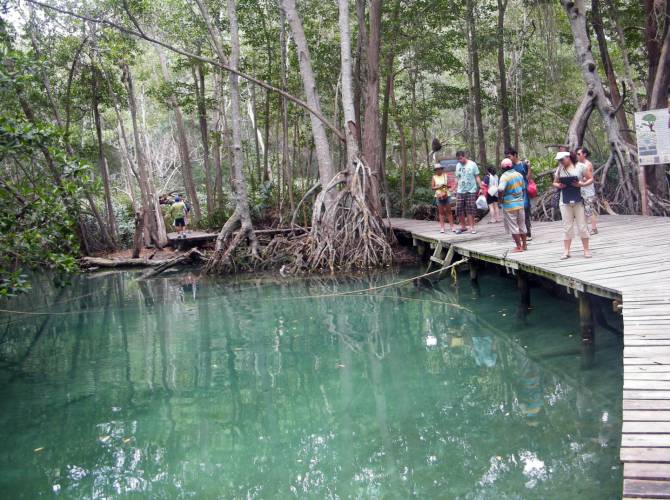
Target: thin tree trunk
<point>621,41</point>
<point>348,106</point>
<point>102,161</point>
<point>413,137</point>
<point>503,102</point>
<point>403,153</point>
<point>371,132</point>
<point>199,82</point>
<point>153,219</point>
<point>254,126</point>
<point>218,167</point>
<point>225,243</point>
<point>285,159</point>
<point>182,140</point>
<point>323,156</point>
<point>615,96</point>
<point>388,64</point>
<point>476,98</point>
<point>361,67</point>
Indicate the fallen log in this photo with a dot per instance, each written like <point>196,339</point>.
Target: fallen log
<point>193,255</point>
<point>157,265</point>
<point>97,262</point>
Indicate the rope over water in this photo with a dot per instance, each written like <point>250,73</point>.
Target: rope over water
<point>389,285</point>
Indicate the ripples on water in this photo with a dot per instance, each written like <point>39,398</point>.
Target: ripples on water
<point>242,387</point>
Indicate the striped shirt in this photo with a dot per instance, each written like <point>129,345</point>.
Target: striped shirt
<point>512,185</point>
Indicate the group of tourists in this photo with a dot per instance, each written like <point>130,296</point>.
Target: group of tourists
<point>512,191</point>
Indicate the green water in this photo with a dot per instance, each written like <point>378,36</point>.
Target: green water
<point>187,387</point>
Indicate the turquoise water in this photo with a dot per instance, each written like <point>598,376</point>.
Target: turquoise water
<point>188,387</point>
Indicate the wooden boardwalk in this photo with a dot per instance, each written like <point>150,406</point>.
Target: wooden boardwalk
<point>631,264</point>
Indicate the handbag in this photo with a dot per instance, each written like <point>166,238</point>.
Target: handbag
<point>493,185</point>
<point>532,189</point>
<point>481,202</point>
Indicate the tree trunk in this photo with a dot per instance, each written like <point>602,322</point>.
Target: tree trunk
<point>153,219</point>
<point>615,96</point>
<point>218,132</point>
<point>102,161</point>
<point>361,68</point>
<point>403,154</point>
<point>621,41</point>
<point>285,161</point>
<point>323,156</point>
<point>503,102</point>
<point>182,139</point>
<point>371,132</point>
<point>476,96</point>
<point>226,242</point>
<point>388,64</point>
<point>199,82</point>
<point>623,155</point>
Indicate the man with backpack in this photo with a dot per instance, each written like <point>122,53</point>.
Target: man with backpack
<point>178,213</point>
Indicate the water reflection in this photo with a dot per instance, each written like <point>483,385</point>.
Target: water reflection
<point>190,386</point>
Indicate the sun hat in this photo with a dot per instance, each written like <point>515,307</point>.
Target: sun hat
<point>506,163</point>
<point>561,154</point>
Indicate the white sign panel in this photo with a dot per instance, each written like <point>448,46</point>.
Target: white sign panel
<point>653,136</point>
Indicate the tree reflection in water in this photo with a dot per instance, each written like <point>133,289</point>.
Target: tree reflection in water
<point>241,387</point>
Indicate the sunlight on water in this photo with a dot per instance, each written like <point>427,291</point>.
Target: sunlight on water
<point>248,388</point>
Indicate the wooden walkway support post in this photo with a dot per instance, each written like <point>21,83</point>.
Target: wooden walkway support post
<point>588,331</point>
<point>524,296</point>
<point>473,270</point>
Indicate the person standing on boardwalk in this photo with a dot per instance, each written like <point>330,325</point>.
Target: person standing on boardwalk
<point>589,192</point>
<point>490,188</point>
<point>442,197</point>
<point>523,167</point>
<point>570,201</point>
<point>511,191</point>
<point>468,184</point>
<point>178,214</point>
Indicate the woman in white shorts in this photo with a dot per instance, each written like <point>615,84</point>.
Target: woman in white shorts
<point>571,203</point>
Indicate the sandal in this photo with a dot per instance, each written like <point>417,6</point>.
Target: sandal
<point>565,256</point>
<point>587,255</point>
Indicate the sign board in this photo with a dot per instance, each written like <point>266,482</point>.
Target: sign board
<point>653,136</point>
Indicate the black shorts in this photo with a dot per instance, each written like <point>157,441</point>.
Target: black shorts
<point>443,202</point>
<point>491,199</point>
<point>180,222</point>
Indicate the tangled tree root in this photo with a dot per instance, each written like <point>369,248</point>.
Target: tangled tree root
<point>345,233</point>
<point>236,230</point>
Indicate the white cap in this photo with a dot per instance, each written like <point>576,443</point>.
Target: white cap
<point>561,154</point>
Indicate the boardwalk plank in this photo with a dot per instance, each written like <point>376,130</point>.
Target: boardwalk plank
<point>652,471</point>
<point>646,416</point>
<point>647,427</point>
<point>638,488</point>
